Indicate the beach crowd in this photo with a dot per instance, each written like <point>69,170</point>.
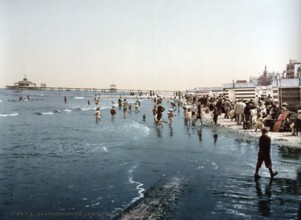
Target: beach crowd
<point>250,114</point>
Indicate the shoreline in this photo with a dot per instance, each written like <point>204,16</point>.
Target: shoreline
<point>282,139</point>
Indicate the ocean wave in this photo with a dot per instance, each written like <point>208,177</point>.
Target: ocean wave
<point>9,115</point>
<point>67,110</point>
<point>44,113</point>
<point>79,97</point>
<point>102,108</point>
<point>104,149</point>
<point>82,148</point>
<point>84,108</point>
<point>47,113</point>
<point>87,108</point>
<point>142,129</point>
<point>91,108</point>
<point>139,186</point>
<point>132,130</point>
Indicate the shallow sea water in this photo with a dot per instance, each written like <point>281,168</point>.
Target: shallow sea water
<point>56,162</point>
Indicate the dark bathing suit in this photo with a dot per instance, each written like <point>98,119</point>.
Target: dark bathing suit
<point>264,151</point>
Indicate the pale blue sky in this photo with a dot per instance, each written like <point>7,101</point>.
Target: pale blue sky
<point>146,44</point>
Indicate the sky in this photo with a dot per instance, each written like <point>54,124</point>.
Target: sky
<point>146,44</point>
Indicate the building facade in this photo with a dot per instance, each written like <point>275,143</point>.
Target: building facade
<point>23,84</point>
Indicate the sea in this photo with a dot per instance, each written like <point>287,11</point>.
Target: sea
<point>57,162</point>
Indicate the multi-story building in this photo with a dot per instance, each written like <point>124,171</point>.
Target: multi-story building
<point>285,87</point>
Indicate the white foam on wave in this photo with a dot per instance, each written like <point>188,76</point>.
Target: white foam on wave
<point>91,148</point>
<point>9,115</point>
<point>87,108</point>
<point>79,97</point>
<point>132,130</point>
<point>139,185</point>
<point>0,100</point>
<point>47,113</point>
<point>67,110</point>
<point>141,129</point>
<point>104,149</point>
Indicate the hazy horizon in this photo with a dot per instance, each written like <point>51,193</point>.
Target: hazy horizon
<point>146,44</point>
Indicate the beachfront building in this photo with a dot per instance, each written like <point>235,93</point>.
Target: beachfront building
<point>239,90</point>
<point>264,91</point>
<point>287,87</point>
<point>210,91</point>
<point>282,87</point>
<point>281,90</point>
<point>113,88</point>
<point>288,90</point>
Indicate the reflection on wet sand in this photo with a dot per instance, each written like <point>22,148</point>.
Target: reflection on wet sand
<point>200,134</point>
<point>264,199</point>
<point>159,131</point>
<point>215,136</point>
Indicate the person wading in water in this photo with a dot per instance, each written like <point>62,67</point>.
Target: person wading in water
<point>264,154</point>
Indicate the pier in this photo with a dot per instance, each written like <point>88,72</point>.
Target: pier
<point>25,84</point>
<point>123,92</point>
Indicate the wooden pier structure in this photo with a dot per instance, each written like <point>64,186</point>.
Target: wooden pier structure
<point>128,92</point>
<point>25,84</point>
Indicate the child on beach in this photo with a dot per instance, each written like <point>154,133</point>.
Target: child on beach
<point>188,117</point>
<point>120,102</point>
<point>137,106</point>
<point>130,107</point>
<point>97,115</point>
<point>125,107</point>
<point>113,112</point>
<point>215,115</point>
<point>170,116</point>
<point>154,111</point>
<point>194,113</point>
<point>160,110</point>
<point>259,123</point>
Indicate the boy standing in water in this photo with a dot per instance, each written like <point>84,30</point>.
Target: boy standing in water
<point>113,112</point>
<point>125,107</point>
<point>215,115</point>
<point>97,115</point>
<point>264,154</point>
<point>154,113</point>
<point>119,102</point>
<point>170,116</point>
<point>160,111</point>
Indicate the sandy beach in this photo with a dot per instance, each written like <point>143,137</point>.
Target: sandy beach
<point>231,128</point>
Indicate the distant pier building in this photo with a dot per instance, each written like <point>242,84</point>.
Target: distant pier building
<point>25,83</point>
<point>113,88</point>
